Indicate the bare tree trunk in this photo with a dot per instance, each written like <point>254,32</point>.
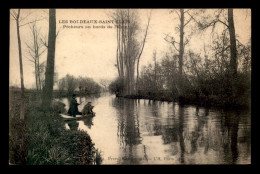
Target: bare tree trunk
<point>49,74</point>
<point>21,66</point>
<point>138,58</point>
<point>37,63</point>
<point>36,57</point>
<point>155,70</point>
<point>222,55</point>
<point>20,54</point>
<point>137,76</point>
<point>128,56</point>
<point>118,51</point>
<point>39,75</point>
<point>122,52</point>
<point>181,50</point>
<point>233,53</point>
<point>36,75</point>
<point>233,50</point>
<point>132,76</point>
<point>125,60</point>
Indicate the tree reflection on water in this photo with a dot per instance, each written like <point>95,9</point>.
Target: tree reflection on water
<point>128,129</point>
<point>195,135</point>
<point>152,132</point>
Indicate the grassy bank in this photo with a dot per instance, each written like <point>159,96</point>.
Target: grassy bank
<point>41,138</point>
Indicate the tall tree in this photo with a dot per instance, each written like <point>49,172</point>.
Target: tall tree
<point>19,23</point>
<point>139,56</point>
<point>182,42</point>
<point>35,49</point>
<point>181,49</point>
<point>233,48</point>
<point>49,74</point>
<point>155,68</point>
<point>18,19</point>
<point>227,20</point>
<point>129,49</point>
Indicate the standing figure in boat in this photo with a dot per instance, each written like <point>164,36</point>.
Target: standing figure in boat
<point>88,109</point>
<point>73,110</point>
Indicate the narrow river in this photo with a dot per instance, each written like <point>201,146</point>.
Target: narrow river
<point>128,131</point>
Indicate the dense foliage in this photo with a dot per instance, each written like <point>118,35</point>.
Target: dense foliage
<point>117,86</point>
<point>206,81</point>
<point>83,85</point>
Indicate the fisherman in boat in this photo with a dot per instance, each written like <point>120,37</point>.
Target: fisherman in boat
<point>73,110</point>
<point>88,109</point>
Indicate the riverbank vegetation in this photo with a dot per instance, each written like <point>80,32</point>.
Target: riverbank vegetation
<point>41,138</point>
<point>81,86</point>
<point>218,75</point>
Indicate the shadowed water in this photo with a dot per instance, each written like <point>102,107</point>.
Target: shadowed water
<point>131,131</point>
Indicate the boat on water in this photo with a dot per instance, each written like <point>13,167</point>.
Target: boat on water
<point>78,117</point>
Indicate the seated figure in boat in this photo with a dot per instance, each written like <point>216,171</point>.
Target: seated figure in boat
<point>73,110</point>
<point>88,109</point>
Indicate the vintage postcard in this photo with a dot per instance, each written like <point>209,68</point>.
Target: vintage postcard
<point>130,86</point>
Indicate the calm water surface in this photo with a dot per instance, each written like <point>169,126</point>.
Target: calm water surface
<point>131,131</point>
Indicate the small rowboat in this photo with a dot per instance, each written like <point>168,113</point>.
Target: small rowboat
<point>78,117</point>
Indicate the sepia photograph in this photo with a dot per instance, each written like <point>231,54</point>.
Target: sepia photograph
<point>130,86</point>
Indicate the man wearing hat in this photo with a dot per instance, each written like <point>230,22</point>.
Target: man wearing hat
<point>73,110</point>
